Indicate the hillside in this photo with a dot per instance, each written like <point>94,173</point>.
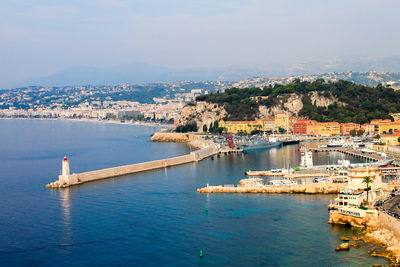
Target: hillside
<point>340,101</point>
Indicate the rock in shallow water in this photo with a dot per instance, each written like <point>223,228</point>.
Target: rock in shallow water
<point>344,238</point>
<point>343,246</point>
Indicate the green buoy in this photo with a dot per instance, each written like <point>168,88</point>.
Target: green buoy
<point>201,253</point>
<point>206,209</point>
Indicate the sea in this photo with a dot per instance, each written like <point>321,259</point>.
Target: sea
<point>154,218</point>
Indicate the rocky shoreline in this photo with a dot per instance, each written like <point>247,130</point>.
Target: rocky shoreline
<point>374,233</point>
<point>387,240</point>
<point>370,221</point>
<point>254,185</point>
<point>194,141</point>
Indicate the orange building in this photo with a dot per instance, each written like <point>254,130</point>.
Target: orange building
<point>345,128</point>
<point>301,126</point>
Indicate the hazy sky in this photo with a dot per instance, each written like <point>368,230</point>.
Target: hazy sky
<point>38,38</point>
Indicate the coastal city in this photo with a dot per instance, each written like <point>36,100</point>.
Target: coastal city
<point>200,133</point>
<point>161,102</point>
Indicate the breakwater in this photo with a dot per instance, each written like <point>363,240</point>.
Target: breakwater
<point>255,185</point>
<point>307,173</point>
<point>208,150</point>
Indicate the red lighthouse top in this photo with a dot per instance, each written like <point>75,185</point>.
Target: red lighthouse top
<point>65,159</point>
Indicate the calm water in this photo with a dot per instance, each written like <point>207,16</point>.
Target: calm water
<point>152,218</point>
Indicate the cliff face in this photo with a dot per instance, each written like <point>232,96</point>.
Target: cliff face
<point>370,221</point>
<point>202,113</point>
<point>290,103</point>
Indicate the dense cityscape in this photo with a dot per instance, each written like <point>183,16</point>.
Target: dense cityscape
<point>147,102</point>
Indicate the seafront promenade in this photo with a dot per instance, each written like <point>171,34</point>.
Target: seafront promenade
<point>205,149</point>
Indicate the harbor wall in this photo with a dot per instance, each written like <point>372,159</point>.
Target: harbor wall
<point>78,178</point>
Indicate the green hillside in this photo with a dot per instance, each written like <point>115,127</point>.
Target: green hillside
<point>361,103</point>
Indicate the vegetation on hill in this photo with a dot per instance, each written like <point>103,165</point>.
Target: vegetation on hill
<point>354,102</point>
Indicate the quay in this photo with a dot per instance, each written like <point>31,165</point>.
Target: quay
<point>256,185</point>
<point>66,179</point>
<point>307,173</point>
<point>352,152</point>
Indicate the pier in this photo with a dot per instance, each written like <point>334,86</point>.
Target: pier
<point>352,152</point>
<point>66,179</point>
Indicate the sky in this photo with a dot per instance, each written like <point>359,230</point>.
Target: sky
<point>41,37</point>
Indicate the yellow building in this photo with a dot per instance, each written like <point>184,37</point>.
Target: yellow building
<point>387,127</point>
<point>242,126</point>
<point>328,128</point>
<point>269,125</point>
<point>368,128</point>
<point>281,120</point>
<point>391,139</point>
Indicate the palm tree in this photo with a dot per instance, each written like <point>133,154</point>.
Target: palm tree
<point>367,180</point>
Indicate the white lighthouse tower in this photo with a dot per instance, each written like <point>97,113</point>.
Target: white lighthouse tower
<point>65,167</point>
<point>66,177</point>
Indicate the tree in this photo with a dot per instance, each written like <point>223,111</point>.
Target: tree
<point>204,128</point>
<point>377,136</point>
<point>367,180</point>
<point>353,132</point>
<point>398,139</point>
<point>281,130</point>
<point>360,132</point>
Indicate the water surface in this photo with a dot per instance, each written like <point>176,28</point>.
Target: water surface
<point>152,218</point>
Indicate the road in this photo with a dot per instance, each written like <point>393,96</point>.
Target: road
<point>392,205</point>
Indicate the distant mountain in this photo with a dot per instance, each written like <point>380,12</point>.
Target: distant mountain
<point>133,73</point>
<point>386,64</point>
<point>145,73</point>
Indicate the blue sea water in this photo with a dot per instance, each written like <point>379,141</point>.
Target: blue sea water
<point>153,218</point>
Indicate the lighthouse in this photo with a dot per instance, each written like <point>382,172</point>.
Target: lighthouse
<point>66,177</point>
<point>65,167</point>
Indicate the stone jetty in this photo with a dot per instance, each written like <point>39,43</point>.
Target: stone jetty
<point>205,149</point>
<point>255,185</point>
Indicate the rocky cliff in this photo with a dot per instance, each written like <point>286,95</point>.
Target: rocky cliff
<point>204,113</point>
<point>370,221</point>
<point>192,140</point>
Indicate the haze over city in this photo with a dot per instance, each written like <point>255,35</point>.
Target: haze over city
<point>41,38</point>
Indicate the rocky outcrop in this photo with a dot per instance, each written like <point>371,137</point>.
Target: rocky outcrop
<point>255,185</point>
<point>202,113</point>
<point>57,184</point>
<point>344,238</point>
<point>389,241</point>
<point>320,100</point>
<point>192,140</point>
<point>370,221</point>
<point>343,246</point>
<point>290,103</point>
